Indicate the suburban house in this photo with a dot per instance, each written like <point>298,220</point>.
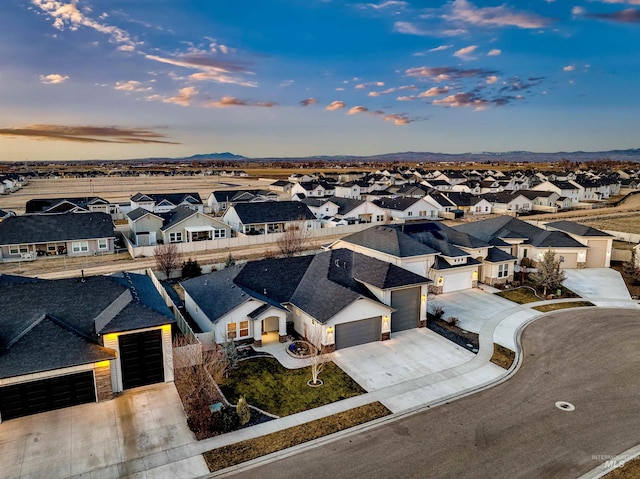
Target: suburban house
<point>469,204</point>
<point>73,234</point>
<point>542,200</point>
<point>180,225</point>
<point>219,201</point>
<point>334,210</point>
<point>506,202</point>
<point>271,217</point>
<point>352,189</point>
<point>565,189</point>
<point>453,261</point>
<point>161,203</point>
<point>336,299</point>
<point>313,189</point>
<point>529,241</point>
<point>66,342</point>
<point>94,204</point>
<point>281,186</point>
<point>598,242</point>
<point>408,209</point>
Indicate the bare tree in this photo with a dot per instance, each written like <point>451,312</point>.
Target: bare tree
<point>548,274</point>
<point>295,238</point>
<point>318,357</point>
<point>167,258</point>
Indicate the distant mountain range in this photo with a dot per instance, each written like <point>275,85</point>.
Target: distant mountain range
<point>430,157</point>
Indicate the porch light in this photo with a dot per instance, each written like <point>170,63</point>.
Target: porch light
<point>385,321</point>
<point>475,275</point>
<point>424,297</point>
<point>440,280</point>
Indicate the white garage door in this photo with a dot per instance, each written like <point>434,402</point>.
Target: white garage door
<point>457,281</point>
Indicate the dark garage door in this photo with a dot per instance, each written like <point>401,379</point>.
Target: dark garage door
<point>407,304</point>
<point>141,358</point>
<point>358,332</point>
<point>47,394</point>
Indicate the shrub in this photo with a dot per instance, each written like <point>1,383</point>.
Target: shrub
<point>230,261</point>
<point>191,268</point>
<point>227,419</point>
<point>438,311</point>
<point>453,321</point>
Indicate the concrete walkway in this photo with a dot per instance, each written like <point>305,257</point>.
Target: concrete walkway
<point>413,392</point>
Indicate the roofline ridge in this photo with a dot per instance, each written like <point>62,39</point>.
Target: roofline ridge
<point>25,331</point>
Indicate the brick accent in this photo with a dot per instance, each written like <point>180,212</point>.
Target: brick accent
<point>103,383</point>
<point>283,338</point>
<point>582,265</point>
<point>423,323</point>
<point>257,343</point>
<point>386,336</point>
<point>474,283</point>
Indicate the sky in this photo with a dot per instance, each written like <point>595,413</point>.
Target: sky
<point>114,79</point>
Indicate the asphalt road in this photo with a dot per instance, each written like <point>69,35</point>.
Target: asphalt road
<point>590,358</point>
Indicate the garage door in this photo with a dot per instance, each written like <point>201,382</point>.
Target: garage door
<point>46,395</point>
<point>457,281</point>
<point>358,332</point>
<point>141,358</point>
<point>406,302</point>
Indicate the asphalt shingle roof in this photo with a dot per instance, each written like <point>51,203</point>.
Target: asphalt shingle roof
<point>397,204</point>
<point>576,228</point>
<point>273,212</point>
<point>28,229</point>
<point>390,240</point>
<point>554,239</point>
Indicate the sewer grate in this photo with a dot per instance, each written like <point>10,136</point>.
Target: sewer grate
<point>565,406</point>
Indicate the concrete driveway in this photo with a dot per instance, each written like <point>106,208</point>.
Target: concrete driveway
<point>131,435</point>
<point>472,307</point>
<point>597,284</point>
<point>407,355</point>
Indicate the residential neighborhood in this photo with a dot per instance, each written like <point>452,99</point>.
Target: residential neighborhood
<point>394,277</point>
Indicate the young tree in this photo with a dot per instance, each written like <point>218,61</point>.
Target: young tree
<point>318,357</point>
<point>191,268</point>
<point>294,239</point>
<point>549,274</point>
<point>230,353</point>
<point>167,258</point>
<point>230,261</point>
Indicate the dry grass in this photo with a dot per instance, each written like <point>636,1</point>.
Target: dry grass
<point>502,356</point>
<point>519,295</point>
<point>545,308</point>
<point>630,470</point>
<point>238,453</point>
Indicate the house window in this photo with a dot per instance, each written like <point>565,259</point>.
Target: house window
<point>231,331</point>
<point>503,270</point>
<point>220,233</point>
<point>524,253</point>
<point>80,246</point>
<point>175,237</point>
<point>103,244</point>
<point>244,329</point>
<point>410,213</point>
<point>423,213</point>
<point>379,218</point>
<point>561,259</point>
<point>477,209</point>
<point>17,249</point>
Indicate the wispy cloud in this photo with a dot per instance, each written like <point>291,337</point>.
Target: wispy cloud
<point>131,86</point>
<point>463,100</point>
<point>398,118</point>
<point>492,79</point>
<point>434,91</point>
<point>308,101</point>
<point>409,28</point>
<point>629,15</point>
<point>86,134</point>
<point>569,68</point>
<point>212,69</point>
<point>466,53</point>
<point>494,53</point>
<point>335,105</point>
<point>67,15</point>
<point>227,101</point>
<point>500,16</point>
<point>184,97</point>
<point>384,5</point>
<point>448,73</point>
<point>357,109</point>
<point>391,90</point>
<point>439,48</point>
<point>53,78</point>
<point>628,2</point>
<point>361,86</point>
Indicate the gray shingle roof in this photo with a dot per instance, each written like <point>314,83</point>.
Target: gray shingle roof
<point>499,227</point>
<point>496,255</point>
<point>139,213</point>
<point>28,229</point>
<point>273,212</point>
<point>173,198</point>
<point>176,215</point>
<point>389,240</point>
<point>48,324</point>
<point>554,239</point>
<point>576,228</point>
<point>396,204</point>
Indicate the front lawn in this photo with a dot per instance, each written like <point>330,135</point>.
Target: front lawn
<point>545,308</point>
<point>266,384</point>
<point>240,452</point>
<point>520,295</point>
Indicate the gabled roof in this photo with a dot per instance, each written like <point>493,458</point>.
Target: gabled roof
<point>48,324</point>
<point>554,239</point>
<point>398,204</point>
<point>176,215</point>
<point>499,227</point>
<point>40,205</point>
<point>389,240</point>
<point>345,205</point>
<point>273,212</point>
<point>28,229</point>
<point>139,212</point>
<point>496,255</point>
<point>321,285</point>
<point>172,198</point>
<point>576,228</point>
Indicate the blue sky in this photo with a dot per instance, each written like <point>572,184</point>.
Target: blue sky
<point>109,79</point>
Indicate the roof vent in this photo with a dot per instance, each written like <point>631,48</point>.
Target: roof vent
<point>265,291</point>
<point>337,263</point>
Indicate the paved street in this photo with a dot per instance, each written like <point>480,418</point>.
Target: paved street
<point>514,429</point>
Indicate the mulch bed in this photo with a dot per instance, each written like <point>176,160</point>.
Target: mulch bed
<point>465,339</point>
